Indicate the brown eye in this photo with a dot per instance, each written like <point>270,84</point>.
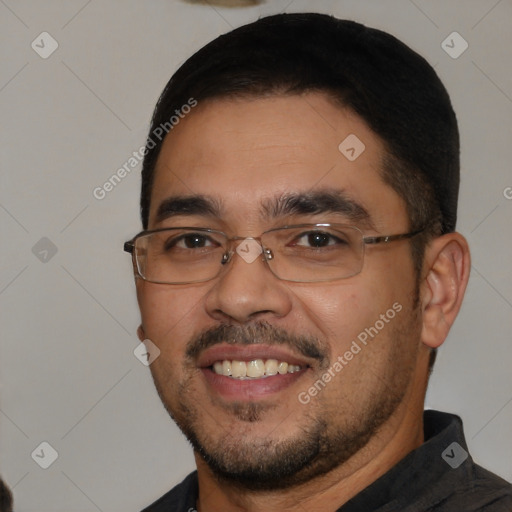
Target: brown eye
<point>190,241</point>
<point>318,239</point>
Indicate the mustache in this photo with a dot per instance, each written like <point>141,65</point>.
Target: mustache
<point>256,334</point>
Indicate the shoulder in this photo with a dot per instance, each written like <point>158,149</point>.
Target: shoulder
<point>464,485</point>
<point>487,491</point>
<point>181,498</point>
<point>474,490</point>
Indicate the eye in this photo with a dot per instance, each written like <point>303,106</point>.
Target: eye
<point>318,239</point>
<point>190,241</point>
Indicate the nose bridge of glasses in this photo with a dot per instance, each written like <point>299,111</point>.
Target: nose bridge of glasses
<point>248,248</point>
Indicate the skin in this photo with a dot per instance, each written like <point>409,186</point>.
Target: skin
<point>242,152</point>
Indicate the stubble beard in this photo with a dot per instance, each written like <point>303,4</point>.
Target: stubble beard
<point>319,444</point>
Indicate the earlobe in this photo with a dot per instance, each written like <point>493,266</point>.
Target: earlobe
<point>448,263</point>
<point>140,333</point>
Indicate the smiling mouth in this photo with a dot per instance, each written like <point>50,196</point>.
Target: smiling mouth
<point>253,369</point>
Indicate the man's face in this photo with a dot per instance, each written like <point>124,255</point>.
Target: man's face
<point>276,430</point>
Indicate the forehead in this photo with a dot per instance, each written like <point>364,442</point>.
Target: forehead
<point>244,153</point>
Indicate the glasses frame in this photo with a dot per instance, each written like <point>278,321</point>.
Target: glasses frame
<point>129,247</point>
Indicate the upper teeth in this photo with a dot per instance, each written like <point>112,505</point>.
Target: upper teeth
<point>256,368</point>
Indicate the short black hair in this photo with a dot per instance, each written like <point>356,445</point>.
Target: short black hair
<point>5,498</point>
<point>392,88</point>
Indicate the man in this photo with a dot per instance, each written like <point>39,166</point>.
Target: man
<point>298,270</point>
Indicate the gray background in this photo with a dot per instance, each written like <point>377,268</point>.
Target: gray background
<point>68,323</point>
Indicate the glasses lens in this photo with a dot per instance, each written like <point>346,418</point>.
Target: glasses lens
<point>179,255</point>
<point>315,253</point>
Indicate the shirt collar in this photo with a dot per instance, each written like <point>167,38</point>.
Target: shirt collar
<point>417,471</point>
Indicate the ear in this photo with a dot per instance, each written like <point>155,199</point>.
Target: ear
<point>140,333</point>
<point>446,273</point>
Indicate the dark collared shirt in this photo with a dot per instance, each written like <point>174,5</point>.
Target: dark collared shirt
<point>439,476</point>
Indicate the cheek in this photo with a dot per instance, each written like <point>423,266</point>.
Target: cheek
<point>342,311</point>
<point>170,316</point>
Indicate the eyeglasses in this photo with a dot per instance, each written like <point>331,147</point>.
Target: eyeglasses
<point>304,253</point>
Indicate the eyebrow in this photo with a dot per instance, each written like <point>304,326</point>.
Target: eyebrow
<point>201,205</point>
<point>315,202</point>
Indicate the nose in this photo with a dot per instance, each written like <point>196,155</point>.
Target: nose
<point>246,289</point>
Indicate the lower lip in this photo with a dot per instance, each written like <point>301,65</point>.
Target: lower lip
<point>249,389</point>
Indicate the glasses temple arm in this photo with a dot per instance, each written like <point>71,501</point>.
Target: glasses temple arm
<point>390,238</point>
